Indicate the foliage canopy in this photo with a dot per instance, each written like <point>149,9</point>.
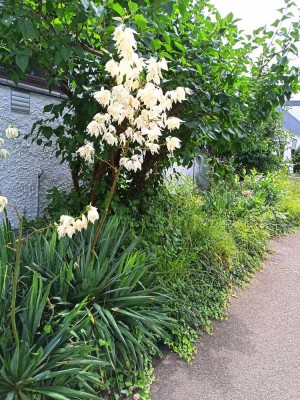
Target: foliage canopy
<point>68,43</point>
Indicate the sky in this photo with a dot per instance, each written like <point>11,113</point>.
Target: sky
<point>254,13</point>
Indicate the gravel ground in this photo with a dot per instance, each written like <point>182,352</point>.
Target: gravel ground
<point>255,354</point>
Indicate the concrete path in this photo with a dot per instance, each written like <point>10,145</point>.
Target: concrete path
<point>255,354</point>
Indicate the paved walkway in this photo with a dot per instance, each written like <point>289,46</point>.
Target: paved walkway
<point>255,354</point>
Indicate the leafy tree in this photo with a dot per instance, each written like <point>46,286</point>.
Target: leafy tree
<point>68,40</point>
<point>261,149</point>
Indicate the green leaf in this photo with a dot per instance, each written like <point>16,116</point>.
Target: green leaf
<point>22,61</point>
<point>140,21</point>
<point>183,10</point>
<point>65,52</point>
<point>47,132</point>
<point>179,46</point>
<point>8,20</point>
<point>48,107</point>
<point>119,9</point>
<point>58,58</point>
<point>132,6</point>
<point>229,17</point>
<point>169,7</point>
<point>28,31</point>
<point>156,44</point>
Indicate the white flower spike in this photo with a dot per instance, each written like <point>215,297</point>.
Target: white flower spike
<point>136,118</point>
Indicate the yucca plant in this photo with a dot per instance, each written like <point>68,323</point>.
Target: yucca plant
<point>49,362</point>
<point>125,303</point>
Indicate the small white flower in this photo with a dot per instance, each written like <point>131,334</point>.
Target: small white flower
<point>120,94</point>
<point>4,153</point>
<point>79,225</point>
<point>153,134</point>
<point>66,227</point>
<point>173,123</point>
<point>150,95</point>
<point>1,141</point>
<point>129,132</point>
<point>172,143</point>
<point>110,139</point>
<point>112,67</point>
<point>188,91</point>
<point>153,147</point>
<point>180,94</point>
<point>173,95</point>
<point>137,137</point>
<point>61,230</point>
<point>122,138</point>
<point>154,68</point>
<point>103,96</point>
<point>66,220</point>
<point>116,110</point>
<point>136,163</point>
<point>84,221</point>
<point>131,164</point>
<point>11,133</point>
<point>102,119</point>
<point>3,203</point>
<point>92,214</point>
<point>93,128</point>
<point>166,103</point>
<point>125,162</point>
<point>70,230</point>
<point>87,152</point>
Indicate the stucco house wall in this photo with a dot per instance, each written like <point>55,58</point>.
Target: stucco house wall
<point>30,170</point>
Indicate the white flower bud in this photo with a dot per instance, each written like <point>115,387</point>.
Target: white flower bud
<point>92,215</point>
<point>172,143</point>
<point>87,152</point>
<point>4,153</point>
<point>11,133</point>
<point>3,203</point>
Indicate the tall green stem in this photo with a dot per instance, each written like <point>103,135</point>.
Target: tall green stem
<point>107,205</point>
<point>15,283</point>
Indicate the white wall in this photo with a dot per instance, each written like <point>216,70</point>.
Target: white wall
<point>19,172</point>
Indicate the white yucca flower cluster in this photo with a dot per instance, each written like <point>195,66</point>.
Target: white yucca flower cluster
<point>69,225</point>
<point>10,133</point>
<point>138,101</point>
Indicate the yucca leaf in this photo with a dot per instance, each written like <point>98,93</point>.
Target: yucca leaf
<point>66,393</point>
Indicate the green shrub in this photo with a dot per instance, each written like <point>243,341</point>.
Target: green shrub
<point>296,161</point>
<point>290,203</point>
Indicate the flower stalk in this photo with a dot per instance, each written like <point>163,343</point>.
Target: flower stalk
<point>15,281</point>
<point>107,205</point>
